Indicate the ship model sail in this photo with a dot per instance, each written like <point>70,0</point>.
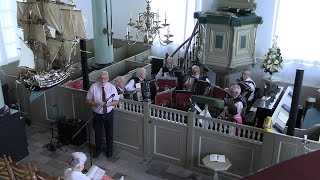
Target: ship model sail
<point>51,29</point>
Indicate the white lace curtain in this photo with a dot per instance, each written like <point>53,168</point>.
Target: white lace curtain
<point>9,41</point>
<point>297,25</point>
<point>179,14</point>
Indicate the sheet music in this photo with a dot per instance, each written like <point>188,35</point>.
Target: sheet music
<point>217,158</point>
<point>95,173</point>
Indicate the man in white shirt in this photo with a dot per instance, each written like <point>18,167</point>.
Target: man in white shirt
<point>140,78</point>
<point>168,69</point>
<point>237,99</point>
<point>103,97</point>
<point>246,79</point>
<point>196,75</point>
<point>120,85</point>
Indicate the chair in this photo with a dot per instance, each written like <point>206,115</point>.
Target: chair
<point>5,169</point>
<point>44,176</point>
<point>22,172</point>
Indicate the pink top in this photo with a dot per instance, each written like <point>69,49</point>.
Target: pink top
<point>238,118</point>
<point>95,94</point>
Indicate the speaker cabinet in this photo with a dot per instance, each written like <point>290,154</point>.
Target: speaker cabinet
<point>68,127</point>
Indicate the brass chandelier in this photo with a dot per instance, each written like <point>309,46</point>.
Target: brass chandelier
<point>148,27</point>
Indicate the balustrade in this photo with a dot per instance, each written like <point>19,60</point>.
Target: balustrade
<point>239,131</point>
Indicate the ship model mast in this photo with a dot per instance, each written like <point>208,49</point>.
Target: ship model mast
<point>51,29</point>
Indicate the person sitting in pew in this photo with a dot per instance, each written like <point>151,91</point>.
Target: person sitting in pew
<point>248,81</point>
<point>76,161</point>
<point>120,85</point>
<point>168,70</point>
<point>133,84</point>
<point>237,99</point>
<point>196,75</point>
<point>139,86</point>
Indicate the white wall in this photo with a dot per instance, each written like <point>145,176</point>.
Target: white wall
<point>209,5</point>
<point>265,8</point>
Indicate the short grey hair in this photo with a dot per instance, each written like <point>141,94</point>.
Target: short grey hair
<point>104,73</point>
<point>195,67</point>
<point>119,78</point>
<point>76,159</point>
<point>236,88</point>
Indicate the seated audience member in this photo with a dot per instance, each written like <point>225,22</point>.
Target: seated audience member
<point>76,161</point>
<point>196,75</point>
<point>237,99</point>
<point>168,69</point>
<point>230,113</point>
<point>246,79</point>
<point>140,78</point>
<point>120,85</point>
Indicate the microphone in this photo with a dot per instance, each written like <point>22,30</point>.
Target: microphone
<point>106,101</point>
<point>112,95</point>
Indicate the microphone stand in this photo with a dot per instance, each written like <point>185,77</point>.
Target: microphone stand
<point>88,122</point>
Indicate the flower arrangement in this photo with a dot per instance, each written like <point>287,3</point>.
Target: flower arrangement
<point>273,61</point>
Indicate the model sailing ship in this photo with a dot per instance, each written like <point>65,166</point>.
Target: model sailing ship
<point>51,29</point>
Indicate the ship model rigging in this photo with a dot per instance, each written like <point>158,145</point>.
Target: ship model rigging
<point>51,29</point>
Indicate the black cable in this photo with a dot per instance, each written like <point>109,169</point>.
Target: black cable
<point>107,21</point>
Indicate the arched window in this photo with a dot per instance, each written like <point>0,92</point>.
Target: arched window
<point>9,41</point>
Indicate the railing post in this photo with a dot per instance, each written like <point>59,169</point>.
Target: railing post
<point>190,133</point>
<point>146,129</point>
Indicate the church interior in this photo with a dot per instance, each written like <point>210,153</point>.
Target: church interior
<point>211,79</point>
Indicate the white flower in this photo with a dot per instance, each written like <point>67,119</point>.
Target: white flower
<point>273,61</point>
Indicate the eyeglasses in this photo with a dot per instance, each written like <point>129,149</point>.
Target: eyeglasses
<point>245,74</point>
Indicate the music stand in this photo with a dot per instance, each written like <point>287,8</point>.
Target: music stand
<point>183,99</point>
<point>89,132</point>
<point>52,146</point>
<point>164,98</point>
<point>165,83</point>
<point>200,87</point>
<point>179,75</point>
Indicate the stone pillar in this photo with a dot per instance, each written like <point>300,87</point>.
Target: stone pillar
<point>102,30</point>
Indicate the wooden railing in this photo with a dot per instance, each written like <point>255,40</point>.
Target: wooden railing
<point>230,129</point>
<point>130,106</point>
<point>168,114</point>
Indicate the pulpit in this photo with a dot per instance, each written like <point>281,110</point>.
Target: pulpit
<point>226,40</point>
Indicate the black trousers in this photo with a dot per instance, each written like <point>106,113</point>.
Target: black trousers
<point>105,120</point>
